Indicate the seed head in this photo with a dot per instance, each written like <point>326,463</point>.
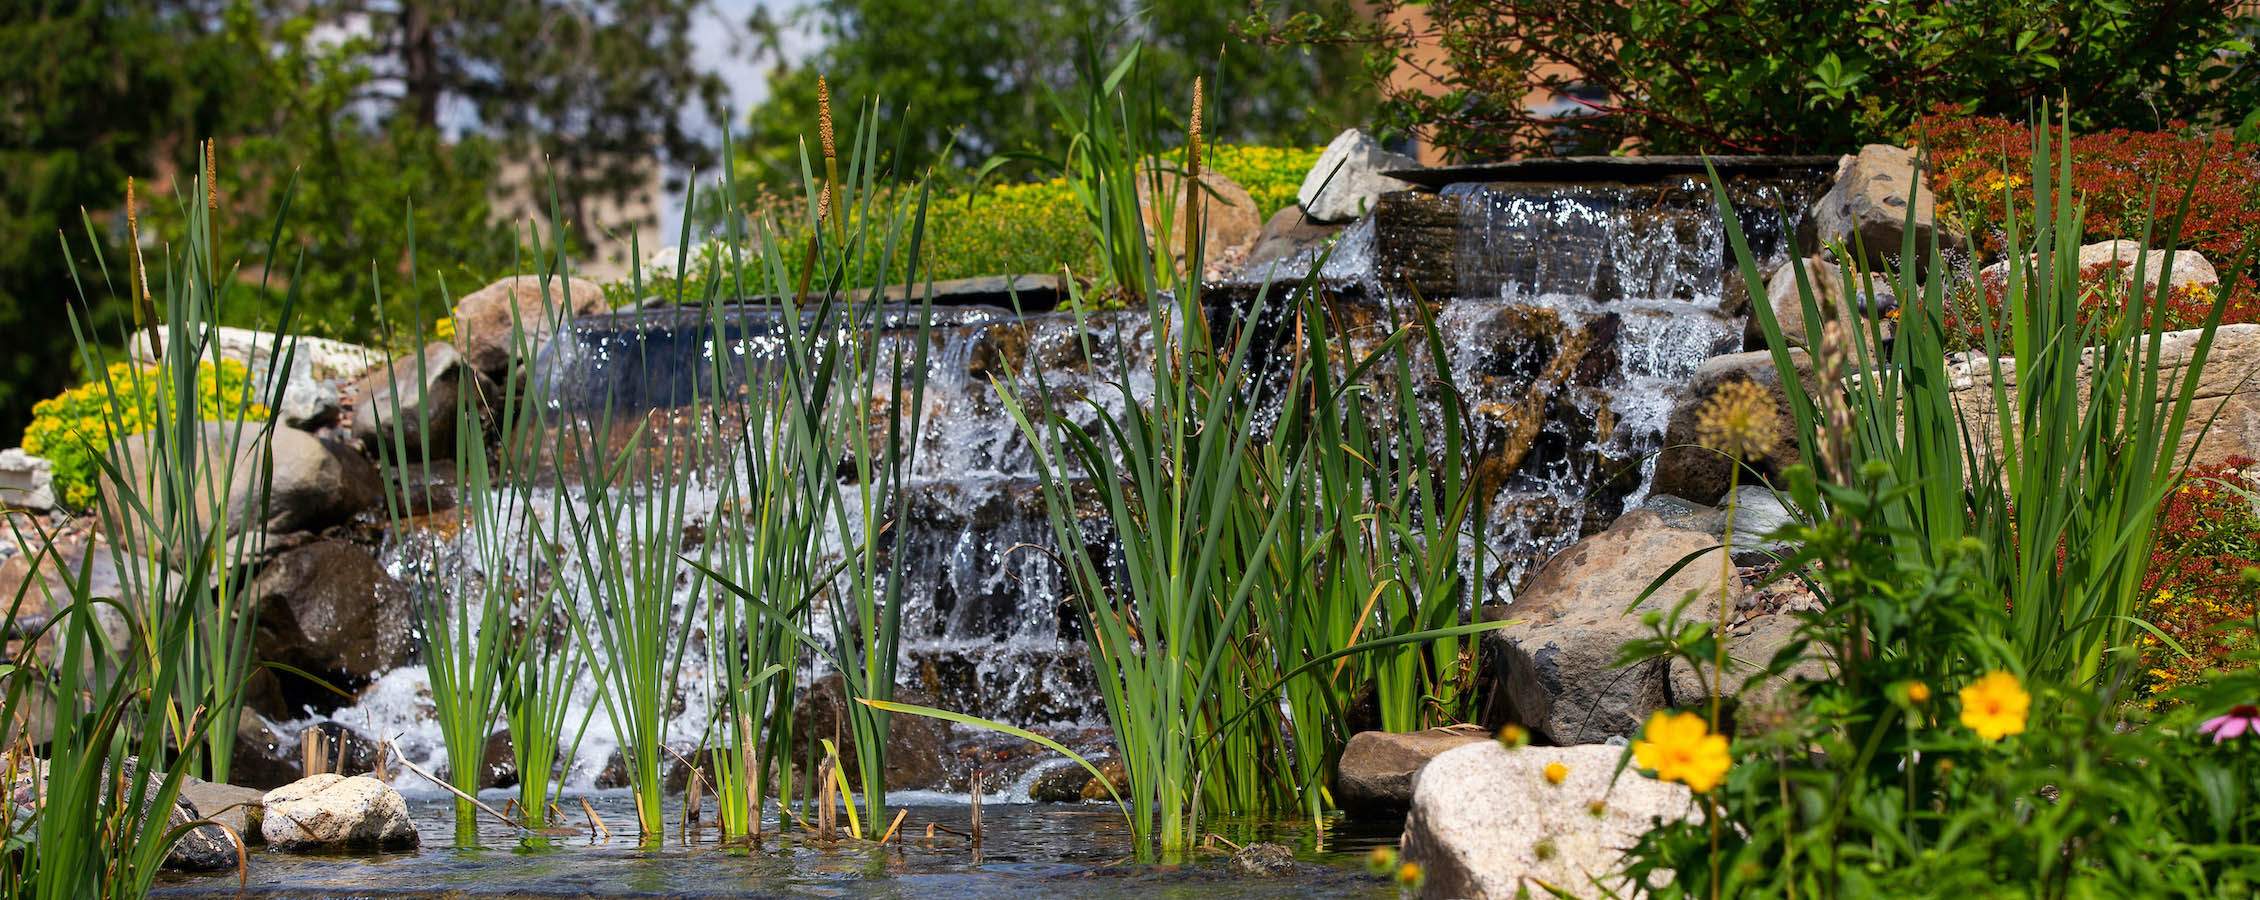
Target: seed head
<point>1739,421</point>
<point>211,177</point>
<point>824,116</point>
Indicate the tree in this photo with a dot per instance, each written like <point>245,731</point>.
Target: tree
<point>1543,77</point>
<point>96,92</point>
<point>973,78</point>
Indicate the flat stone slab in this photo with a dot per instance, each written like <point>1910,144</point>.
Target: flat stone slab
<point>1612,169</point>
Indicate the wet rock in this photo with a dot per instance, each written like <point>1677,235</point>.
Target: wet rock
<point>315,484</point>
<point>1346,182</point>
<point>1869,201</point>
<point>203,848</point>
<point>1377,767</point>
<point>1486,822</point>
<point>1112,773</point>
<point>335,812</point>
<point>1558,672</point>
<point>1416,242</point>
<point>1287,235</point>
<point>26,481</point>
<point>496,323</point>
<point>331,609</point>
<point>1263,861</point>
<point>1229,218</point>
<point>1701,475</point>
<point>415,401</point>
<point>263,760</point>
<point>615,773</point>
<point>915,744</point>
<point>1061,783</point>
<point>498,766</point>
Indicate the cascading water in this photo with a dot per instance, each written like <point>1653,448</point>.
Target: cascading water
<point>1570,316</point>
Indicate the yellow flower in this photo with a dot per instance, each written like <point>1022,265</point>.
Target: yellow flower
<point>1918,692</point>
<point>1409,875</point>
<point>1995,705</point>
<point>1680,747</point>
<point>1739,421</point>
<point>1555,772</point>
<point>1512,736</point>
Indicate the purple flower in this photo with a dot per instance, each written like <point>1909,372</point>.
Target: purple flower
<point>2242,718</point>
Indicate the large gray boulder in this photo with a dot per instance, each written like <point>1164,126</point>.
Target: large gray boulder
<point>414,401</point>
<point>1558,670</point>
<point>329,812</point>
<point>1347,182</point>
<point>1486,822</point>
<point>1377,767</point>
<point>495,323</point>
<point>315,484</point>
<point>1869,200</point>
<point>330,609</point>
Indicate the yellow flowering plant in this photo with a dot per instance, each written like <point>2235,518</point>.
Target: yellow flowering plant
<point>70,429</point>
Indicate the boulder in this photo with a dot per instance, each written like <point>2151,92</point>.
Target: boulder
<point>1701,475</point>
<point>1377,767</point>
<point>1750,647</point>
<point>415,401</point>
<point>1873,298</point>
<point>1346,182</point>
<point>2185,268</point>
<point>518,314</point>
<point>26,481</point>
<point>203,848</point>
<point>1061,783</point>
<point>1263,861</point>
<point>1229,218</point>
<point>1285,237</point>
<point>2226,395</point>
<point>1869,201</point>
<point>1487,823</point>
<point>308,397</point>
<point>1557,667</point>
<point>327,812</point>
<point>330,609</point>
<point>915,744</point>
<point>315,483</point>
<point>241,809</point>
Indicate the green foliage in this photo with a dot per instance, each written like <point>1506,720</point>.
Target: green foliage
<point>72,428</point>
<point>1783,76</point>
<point>1272,175</point>
<point>970,79</point>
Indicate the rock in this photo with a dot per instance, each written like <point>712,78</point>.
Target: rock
<point>263,760</point>
<point>425,418</point>
<point>2187,266</point>
<point>1486,823</point>
<point>1826,280</point>
<point>26,481</point>
<point>2224,396</point>
<point>308,398</point>
<point>334,812</point>
<point>1758,512</point>
<point>36,586</point>
<point>498,767</point>
<point>239,808</point>
<point>1701,475</point>
<point>1558,671</point>
<point>1869,200</point>
<point>1229,218</point>
<point>203,848</point>
<point>315,483</point>
<point>1376,771</point>
<point>330,609</point>
<point>1346,182</point>
<point>1285,237</point>
<point>1263,861</point>
<point>1062,783</point>
<point>1749,650</point>
<point>915,744</point>
<point>495,323</point>
<point>1112,773</point>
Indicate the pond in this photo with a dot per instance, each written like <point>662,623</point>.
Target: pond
<point>1027,851</point>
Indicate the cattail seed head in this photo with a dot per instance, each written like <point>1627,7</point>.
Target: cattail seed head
<point>211,177</point>
<point>1193,132</point>
<point>824,116</point>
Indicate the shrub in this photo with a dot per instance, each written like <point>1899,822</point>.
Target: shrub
<point>2104,297</point>
<point>2208,534</point>
<point>1977,162</point>
<point>71,428</point>
<point>1272,175</point>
